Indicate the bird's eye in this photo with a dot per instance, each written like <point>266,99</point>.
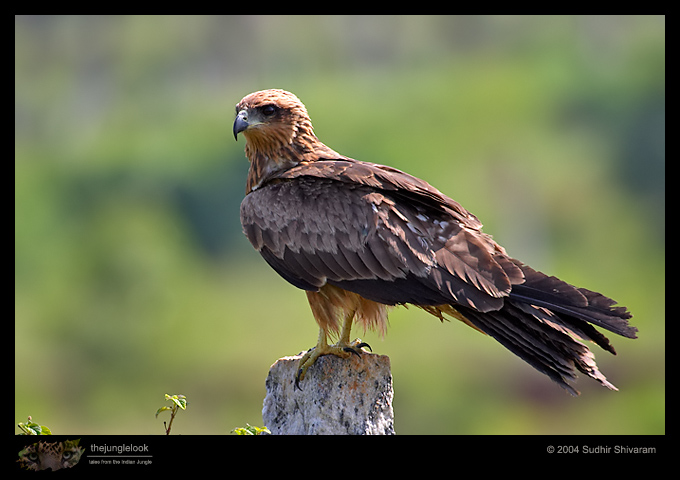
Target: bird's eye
<point>268,110</point>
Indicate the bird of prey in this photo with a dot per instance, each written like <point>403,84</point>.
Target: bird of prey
<point>361,237</point>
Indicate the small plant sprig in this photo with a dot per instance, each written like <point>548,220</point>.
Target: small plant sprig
<point>32,428</point>
<point>250,430</point>
<point>179,402</point>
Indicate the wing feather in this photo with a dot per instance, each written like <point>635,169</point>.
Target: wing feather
<point>360,269</point>
<point>380,248</point>
<point>360,224</point>
<point>358,236</point>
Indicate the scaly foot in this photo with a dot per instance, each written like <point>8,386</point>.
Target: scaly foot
<point>340,349</point>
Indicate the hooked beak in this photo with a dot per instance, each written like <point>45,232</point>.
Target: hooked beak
<point>240,123</point>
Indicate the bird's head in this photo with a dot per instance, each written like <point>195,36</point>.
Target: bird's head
<point>272,120</point>
<point>279,134</point>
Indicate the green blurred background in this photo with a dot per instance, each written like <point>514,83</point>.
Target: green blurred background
<point>132,276</point>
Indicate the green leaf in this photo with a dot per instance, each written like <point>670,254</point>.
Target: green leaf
<point>32,428</point>
<point>251,430</point>
<point>161,410</point>
<point>179,400</point>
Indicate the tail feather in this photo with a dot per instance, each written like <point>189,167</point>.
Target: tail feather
<point>540,340</point>
<point>556,295</point>
<point>543,321</point>
<point>569,325</point>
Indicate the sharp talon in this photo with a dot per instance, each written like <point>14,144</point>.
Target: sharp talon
<point>352,350</point>
<point>297,381</point>
<point>364,344</point>
<point>306,351</point>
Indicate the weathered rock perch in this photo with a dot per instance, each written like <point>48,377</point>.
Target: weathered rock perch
<point>338,397</point>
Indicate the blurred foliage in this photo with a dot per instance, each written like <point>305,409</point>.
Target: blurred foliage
<point>131,272</point>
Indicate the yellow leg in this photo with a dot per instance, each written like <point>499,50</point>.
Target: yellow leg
<point>344,348</point>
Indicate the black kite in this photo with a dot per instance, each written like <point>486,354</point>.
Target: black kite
<point>360,237</point>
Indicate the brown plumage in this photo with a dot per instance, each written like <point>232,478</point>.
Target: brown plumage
<point>359,237</point>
